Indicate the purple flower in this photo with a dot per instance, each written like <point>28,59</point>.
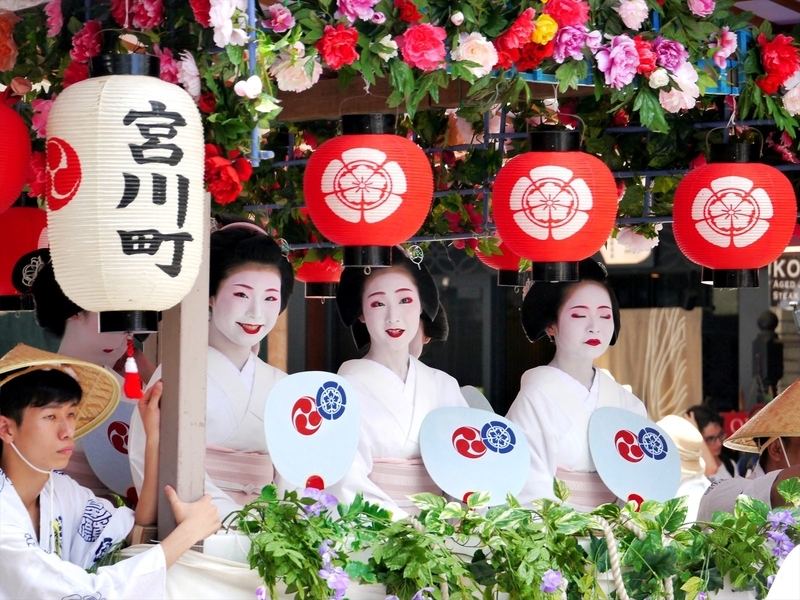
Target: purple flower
<point>355,9</point>
<point>323,501</point>
<point>261,593</point>
<point>670,55</point>
<point>327,553</point>
<point>280,18</point>
<point>783,545</point>
<point>770,580</point>
<point>701,596</point>
<point>420,594</point>
<point>780,520</point>
<point>337,580</point>
<point>550,581</point>
<point>569,42</point>
<point>618,62</point>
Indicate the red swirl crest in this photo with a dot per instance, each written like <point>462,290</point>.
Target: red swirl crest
<point>628,446</point>
<point>468,443</point>
<point>63,173</point>
<point>118,436</point>
<point>305,418</point>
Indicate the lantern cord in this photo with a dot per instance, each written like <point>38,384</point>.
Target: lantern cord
<point>127,14</point>
<point>732,119</point>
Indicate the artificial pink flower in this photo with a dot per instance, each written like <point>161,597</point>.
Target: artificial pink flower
<point>41,111</point>
<point>169,66</point>
<point>633,13</point>
<point>422,46</point>
<point>55,21</point>
<point>87,42</point>
<point>618,62</point>
<point>684,96</point>
<point>74,73</point>
<point>701,8</point>
<point>569,43</point>
<point>147,14</point>
<point>726,43</point>
<point>356,9</point>
<point>8,47</point>
<point>280,18</point>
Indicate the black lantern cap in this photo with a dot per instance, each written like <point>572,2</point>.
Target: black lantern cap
<point>367,256</point>
<point>125,64</point>
<point>550,139</point>
<point>733,153</point>
<point>510,278</point>
<point>734,278</point>
<point>132,321</point>
<point>371,123</point>
<point>554,271</point>
<point>321,290</point>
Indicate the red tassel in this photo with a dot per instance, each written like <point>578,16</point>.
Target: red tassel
<point>133,383</point>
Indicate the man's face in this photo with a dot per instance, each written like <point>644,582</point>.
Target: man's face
<point>45,435</point>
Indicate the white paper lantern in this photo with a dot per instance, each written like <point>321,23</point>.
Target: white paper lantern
<point>125,160</point>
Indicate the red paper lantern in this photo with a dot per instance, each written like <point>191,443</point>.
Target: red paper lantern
<point>734,216</point>
<point>320,276</point>
<point>507,266</point>
<point>15,154</point>
<point>368,189</point>
<point>554,205</point>
<point>22,230</point>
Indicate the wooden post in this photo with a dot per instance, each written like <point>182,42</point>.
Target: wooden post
<point>278,343</point>
<point>184,343</point>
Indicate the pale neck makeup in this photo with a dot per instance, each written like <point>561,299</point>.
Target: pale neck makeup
<point>391,308</point>
<point>583,330</point>
<point>243,311</point>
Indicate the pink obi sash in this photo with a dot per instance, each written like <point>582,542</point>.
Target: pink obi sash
<point>241,475</point>
<point>400,478</point>
<point>586,489</point>
<point>81,471</point>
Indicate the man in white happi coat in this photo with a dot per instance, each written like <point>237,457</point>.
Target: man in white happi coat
<point>51,529</point>
<point>395,390</point>
<point>250,284</point>
<point>774,433</point>
<point>555,402</point>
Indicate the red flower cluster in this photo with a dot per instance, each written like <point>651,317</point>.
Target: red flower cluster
<point>509,43</point>
<point>75,72</point>
<point>207,102</point>
<point>87,42</point>
<point>532,55</point>
<point>338,46</point>
<point>780,60</point>
<point>567,12</point>
<point>144,14</point>
<point>647,58</point>
<point>37,175</point>
<point>408,11</point>
<point>201,8</point>
<point>224,175</point>
<point>474,219</point>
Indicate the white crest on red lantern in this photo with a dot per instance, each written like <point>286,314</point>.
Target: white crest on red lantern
<point>551,203</point>
<point>363,185</point>
<point>732,211</point>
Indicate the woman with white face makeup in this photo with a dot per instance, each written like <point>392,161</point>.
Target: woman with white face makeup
<point>79,337</point>
<point>395,390</point>
<point>249,286</point>
<point>555,402</point>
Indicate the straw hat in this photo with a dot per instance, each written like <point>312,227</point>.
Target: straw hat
<point>689,442</point>
<point>781,417</point>
<point>100,388</point>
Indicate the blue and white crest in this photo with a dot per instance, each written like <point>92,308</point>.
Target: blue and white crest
<point>331,400</point>
<point>498,437</point>
<point>94,520</point>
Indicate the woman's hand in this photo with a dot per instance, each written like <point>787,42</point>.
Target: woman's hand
<point>150,411</point>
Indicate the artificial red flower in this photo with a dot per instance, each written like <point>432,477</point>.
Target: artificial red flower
<point>567,108</point>
<point>780,60</point>
<point>75,72</point>
<point>37,175</point>
<point>567,12</point>
<point>338,46</point>
<point>532,54</point>
<point>207,102</point>
<point>620,118</point>
<point>87,42</point>
<point>698,161</point>
<point>506,58</point>
<point>647,58</point>
<point>201,8</point>
<point>222,180</point>
<point>408,11</point>
<point>243,168</point>
<point>519,33</point>
<point>422,46</point>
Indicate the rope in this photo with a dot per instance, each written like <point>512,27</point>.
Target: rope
<point>641,534</point>
<point>613,557</point>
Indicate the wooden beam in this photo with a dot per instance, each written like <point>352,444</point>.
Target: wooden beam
<point>184,342</point>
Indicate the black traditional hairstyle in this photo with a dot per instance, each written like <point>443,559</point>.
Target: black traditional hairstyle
<point>35,390</point>
<point>543,301</point>
<point>33,274</point>
<point>351,289</point>
<point>236,246</point>
<point>436,329</point>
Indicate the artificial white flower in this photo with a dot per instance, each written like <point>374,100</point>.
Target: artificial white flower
<point>632,12</point>
<point>675,100</point>
<point>475,48</point>
<point>220,17</point>
<point>457,18</point>
<point>658,78</point>
<point>792,81</point>
<point>189,75</point>
<point>791,101</point>
<point>636,242</point>
<point>290,74</point>
<point>387,42</point>
<point>249,88</point>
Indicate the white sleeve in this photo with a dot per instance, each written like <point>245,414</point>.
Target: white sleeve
<point>529,412</point>
<point>357,480</point>
<point>722,494</point>
<point>27,571</point>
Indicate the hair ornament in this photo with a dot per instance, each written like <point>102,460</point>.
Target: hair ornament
<point>32,270</point>
<point>415,254</point>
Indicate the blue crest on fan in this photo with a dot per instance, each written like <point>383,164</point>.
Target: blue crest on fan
<point>331,400</point>
<point>498,437</point>
<point>653,443</point>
